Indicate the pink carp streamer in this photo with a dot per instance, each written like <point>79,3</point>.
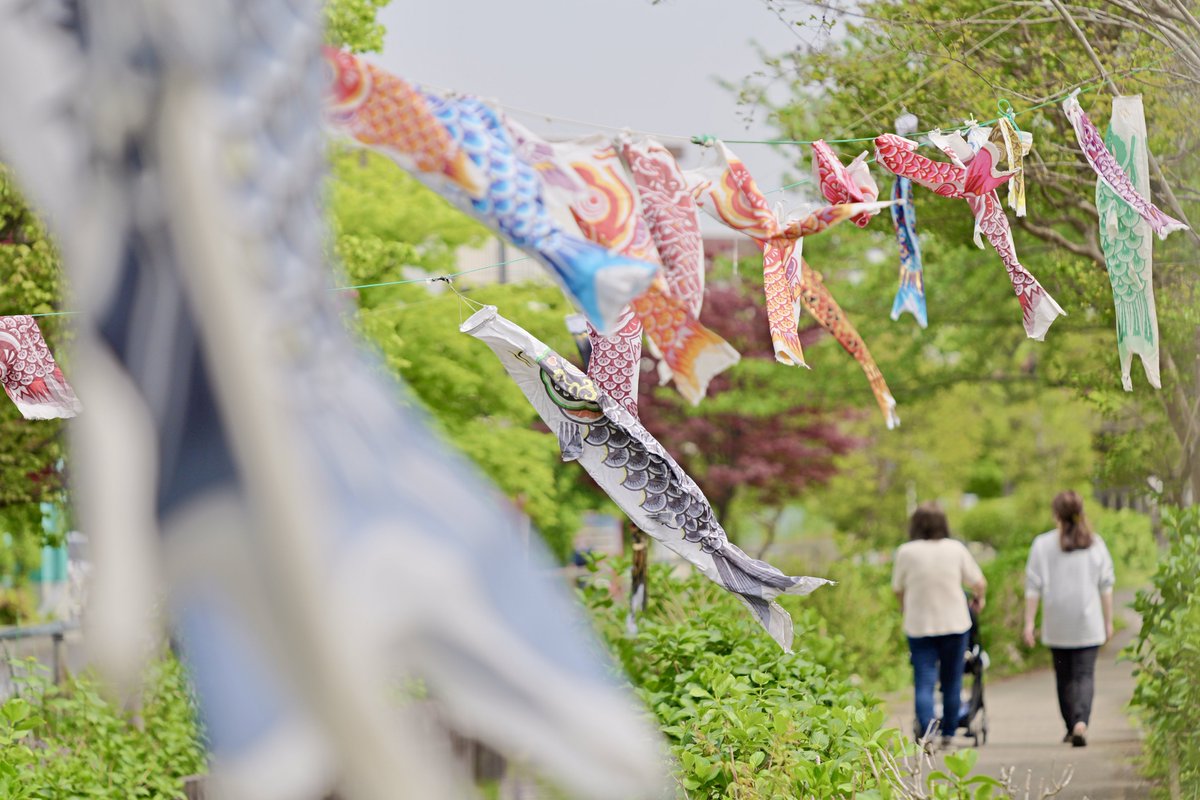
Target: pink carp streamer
<point>672,216</point>
<point>973,178</point>
<point>1110,171</point>
<point>615,360</point>
<point>727,191</point>
<point>608,212</point>
<point>29,374</point>
<point>840,184</point>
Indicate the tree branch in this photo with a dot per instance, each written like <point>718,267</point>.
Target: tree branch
<point>1048,234</point>
<point>1154,165</point>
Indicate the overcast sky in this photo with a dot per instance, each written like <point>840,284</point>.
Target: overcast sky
<point>624,63</point>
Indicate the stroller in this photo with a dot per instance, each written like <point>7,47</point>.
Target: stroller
<point>973,716</point>
<point>975,663</point>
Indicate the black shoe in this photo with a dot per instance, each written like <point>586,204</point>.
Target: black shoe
<point>1067,737</point>
<point>1078,740</point>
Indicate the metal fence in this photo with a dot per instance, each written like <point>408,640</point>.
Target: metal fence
<point>56,632</point>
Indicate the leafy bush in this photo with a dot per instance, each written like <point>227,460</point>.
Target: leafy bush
<point>68,741</point>
<point>1003,617</point>
<point>863,620</point>
<point>996,522</point>
<point>1130,540</point>
<point>986,479</point>
<point>1167,653</point>
<point>17,605</point>
<point>745,719</point>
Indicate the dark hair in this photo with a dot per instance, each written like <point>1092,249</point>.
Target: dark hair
<point>928,522</point>
<point>1074,532</point>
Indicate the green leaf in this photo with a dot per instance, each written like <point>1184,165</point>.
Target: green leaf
<point>962,762</point>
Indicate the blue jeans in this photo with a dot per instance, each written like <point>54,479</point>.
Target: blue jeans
<point>934,658</point>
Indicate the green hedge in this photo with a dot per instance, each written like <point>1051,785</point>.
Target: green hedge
<point>69,742</point>
<point>1167,654</point>
<point>746,720</point>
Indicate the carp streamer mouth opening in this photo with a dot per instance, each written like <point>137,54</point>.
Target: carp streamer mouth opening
<point>477,319</point>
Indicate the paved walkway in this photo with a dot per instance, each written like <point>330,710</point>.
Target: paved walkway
<point>1026,730</point>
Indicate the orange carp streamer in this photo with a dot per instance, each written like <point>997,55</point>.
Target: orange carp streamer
<point>818,301</point>
<point>387,113</point>
<point>726,190</point>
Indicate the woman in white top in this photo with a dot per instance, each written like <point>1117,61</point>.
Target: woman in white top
<point>1071,572</point>
<point>928,576</point>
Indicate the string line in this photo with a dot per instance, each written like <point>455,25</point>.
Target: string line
<point>706,139</point>
<point>431,278</point>
<point>702,139</point>
<point>860,139</point>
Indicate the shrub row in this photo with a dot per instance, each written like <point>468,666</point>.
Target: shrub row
<point>1167,654</point>
<point>68,741</point>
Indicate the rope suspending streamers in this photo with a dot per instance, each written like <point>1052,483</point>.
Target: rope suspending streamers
<point>789,186</point>
<point>1004,107</point>
<point>408,281</point>
<point>427,280</point>
<point>1006,111</point>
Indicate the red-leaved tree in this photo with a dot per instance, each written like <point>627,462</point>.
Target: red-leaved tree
<point>752,437</point>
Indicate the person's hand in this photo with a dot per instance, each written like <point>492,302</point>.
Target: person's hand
<point>977,603</point>
<point>1108,631</point>
<point>1030,641</point>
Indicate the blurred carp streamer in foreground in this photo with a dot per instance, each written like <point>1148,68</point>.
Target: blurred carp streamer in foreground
<point>318,543</point>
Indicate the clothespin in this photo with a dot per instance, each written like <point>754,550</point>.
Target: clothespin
<point>704,140</point>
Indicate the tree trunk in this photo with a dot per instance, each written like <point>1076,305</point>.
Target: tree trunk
<point>1183,412</point>
<point>639,587</point>
<point>772,529</point>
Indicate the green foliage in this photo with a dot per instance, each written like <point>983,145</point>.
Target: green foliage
<point>17,606</point>
<point>949,61</point>
<point>957,783</point>
<point>1001,622</point>
<point>1033,442</point>
<point>30,283</point>
<point>59,742</point>
<point>1130,540</point>
<point>744,719</point>
<point>351,24</point>
<point>477,406</point>
<point>987,479</point>
<point>389,228</point>
<point>862,618</point>
<point>1167,654</point>
<point>385,220</point>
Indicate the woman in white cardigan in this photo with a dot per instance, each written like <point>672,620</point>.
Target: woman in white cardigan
<point>1071,573</point>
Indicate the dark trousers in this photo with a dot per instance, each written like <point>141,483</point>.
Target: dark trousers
<point>1075,674</point>
<point>934,658</point>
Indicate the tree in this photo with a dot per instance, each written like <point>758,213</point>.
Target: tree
<point>351,24</point>
<point>953,60</point>
<point>30,450</point>
<point>385,221</point>
<point>750,439</point>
